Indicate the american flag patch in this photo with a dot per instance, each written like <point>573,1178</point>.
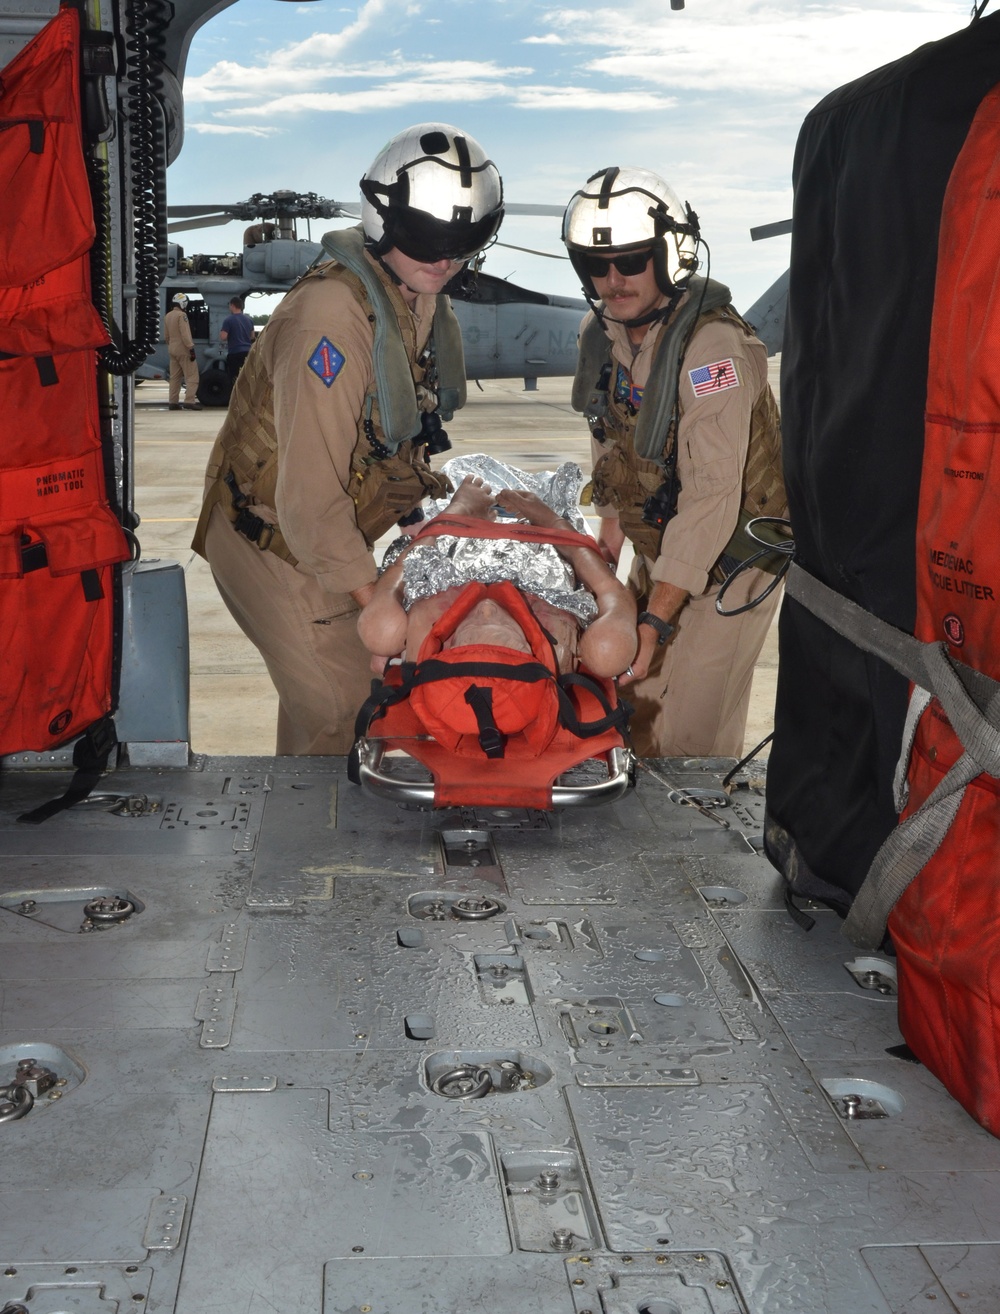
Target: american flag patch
<point>713,378</point>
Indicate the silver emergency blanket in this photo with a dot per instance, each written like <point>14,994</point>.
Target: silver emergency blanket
<point>559,489</point>
<point>448,562</point>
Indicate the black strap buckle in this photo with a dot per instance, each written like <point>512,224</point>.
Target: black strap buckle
<point>254,528</point>
<point>248,524</point>
<point>492,740</point>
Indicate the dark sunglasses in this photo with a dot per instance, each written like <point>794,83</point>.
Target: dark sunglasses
<point>629,264</point>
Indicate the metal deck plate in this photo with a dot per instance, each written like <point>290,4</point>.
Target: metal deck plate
<point>352,1058</point>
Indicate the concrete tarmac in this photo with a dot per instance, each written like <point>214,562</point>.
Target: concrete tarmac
<point>233,704</point>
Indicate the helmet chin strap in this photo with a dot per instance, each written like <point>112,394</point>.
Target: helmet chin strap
<point>377,255</point>
<point>660,314</point>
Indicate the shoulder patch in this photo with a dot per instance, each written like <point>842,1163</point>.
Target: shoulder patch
<point>716,376</point>
<point>326,362</point>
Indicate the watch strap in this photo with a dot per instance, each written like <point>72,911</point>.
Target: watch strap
<point>663,628</point>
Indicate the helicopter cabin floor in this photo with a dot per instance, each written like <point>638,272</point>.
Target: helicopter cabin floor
<point>233,704</point>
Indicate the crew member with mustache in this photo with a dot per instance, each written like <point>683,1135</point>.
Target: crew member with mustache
<point>687,450</point>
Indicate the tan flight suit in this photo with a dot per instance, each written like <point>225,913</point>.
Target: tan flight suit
<point>695,698</point>
<point>302,617</point>
<point>180,344</point>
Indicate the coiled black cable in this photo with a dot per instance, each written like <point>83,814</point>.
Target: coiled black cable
<point>141,88</point>
<point>728,778</point>
<point>785,549</point>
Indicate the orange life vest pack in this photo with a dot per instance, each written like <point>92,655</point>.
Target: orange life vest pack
<point>43,175</point>
<point>58,542</point>
<point>47,219</point>
<point>946,926</point>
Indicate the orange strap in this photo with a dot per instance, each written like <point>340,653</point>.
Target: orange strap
<point>473,527</point>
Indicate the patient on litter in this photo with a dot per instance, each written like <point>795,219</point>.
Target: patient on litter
<point>589,615</point>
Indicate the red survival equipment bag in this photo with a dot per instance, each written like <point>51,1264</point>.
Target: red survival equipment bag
<point>946,926</point>
<point>493,724</point>
<point>59,538</point>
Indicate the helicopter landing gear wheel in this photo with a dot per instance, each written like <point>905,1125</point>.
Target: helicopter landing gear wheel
<point>215,387</point>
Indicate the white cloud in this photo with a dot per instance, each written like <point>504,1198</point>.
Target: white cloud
<point>223,129</point>
<point>767,47</point>
<point>308,65</point>
<point>550,39</point>
<point>452,89</point>
<point>390,95</point>
<point>292,61</point>
<point>589,98</point>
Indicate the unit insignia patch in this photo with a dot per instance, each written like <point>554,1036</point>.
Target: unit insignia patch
<point>326,361</point>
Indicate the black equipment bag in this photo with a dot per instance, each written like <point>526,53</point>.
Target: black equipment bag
<point>872,163</point>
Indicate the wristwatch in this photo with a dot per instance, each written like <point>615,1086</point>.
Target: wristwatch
<point>663,628</point>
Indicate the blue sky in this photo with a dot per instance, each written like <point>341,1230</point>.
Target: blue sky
<point>302,96</point>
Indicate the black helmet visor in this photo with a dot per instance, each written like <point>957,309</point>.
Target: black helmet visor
<point>423,237</point>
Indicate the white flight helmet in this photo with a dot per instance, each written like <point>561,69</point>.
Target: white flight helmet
<point>179,299</point>
<point>433,194</point>
<point>628,209</point>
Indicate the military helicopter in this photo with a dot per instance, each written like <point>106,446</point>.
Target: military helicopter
<point>508,331</point>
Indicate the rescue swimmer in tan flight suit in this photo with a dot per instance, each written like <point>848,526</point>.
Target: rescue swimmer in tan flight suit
<point>325,446</point>
<point>687,449</point>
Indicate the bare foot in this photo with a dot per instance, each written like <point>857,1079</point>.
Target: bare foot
<point>530,508</point>
<point>473,497</point>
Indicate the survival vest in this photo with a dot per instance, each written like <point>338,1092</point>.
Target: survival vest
<point>390,474</point>
<point>493,724</point>
<point>640,443</point>
<point>59,539</point>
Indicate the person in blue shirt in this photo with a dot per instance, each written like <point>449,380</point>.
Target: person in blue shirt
<point>237,333</point>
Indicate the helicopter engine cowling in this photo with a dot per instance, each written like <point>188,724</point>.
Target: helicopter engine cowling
<point>282,260</point>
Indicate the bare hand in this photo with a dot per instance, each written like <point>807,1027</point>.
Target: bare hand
<point>642,659</point>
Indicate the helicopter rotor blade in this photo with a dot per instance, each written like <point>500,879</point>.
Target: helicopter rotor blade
<point>530,250</point>
<point>282,205</point>
<point>191,211</point>
<point>764,231</point>
<point>210,221</point>
<point>553,211</point>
